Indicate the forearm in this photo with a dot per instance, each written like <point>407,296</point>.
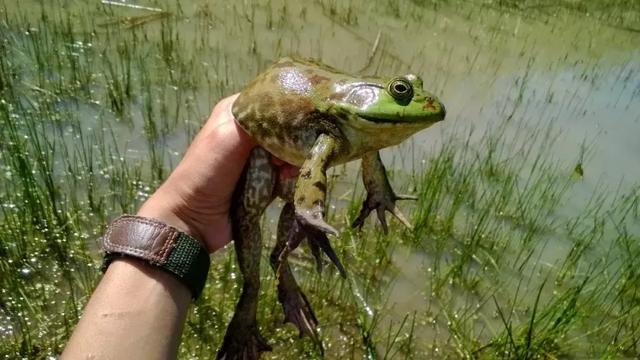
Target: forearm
<point>136,312</point>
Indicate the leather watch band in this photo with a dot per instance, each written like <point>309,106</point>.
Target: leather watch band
<point>161,245</point>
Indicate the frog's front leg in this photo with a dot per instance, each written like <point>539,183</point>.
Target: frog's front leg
<point>311,188</point>
<point>380,196</point>
<point>309,197</point>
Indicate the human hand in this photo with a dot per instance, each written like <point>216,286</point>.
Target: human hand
<point>197,195</point>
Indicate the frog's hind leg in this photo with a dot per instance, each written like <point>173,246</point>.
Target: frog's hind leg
<point>253,194</point>
<point>296,307</point>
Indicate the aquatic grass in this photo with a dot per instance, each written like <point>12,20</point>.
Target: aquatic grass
<point>119,83</point>
<point>340,12</point>
<point>531,193</point>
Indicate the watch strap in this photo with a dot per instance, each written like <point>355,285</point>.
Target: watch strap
<point>160,245</point>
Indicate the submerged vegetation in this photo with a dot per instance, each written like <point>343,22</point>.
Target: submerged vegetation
<point>507,258</point>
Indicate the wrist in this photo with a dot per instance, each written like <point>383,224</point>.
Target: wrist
<point>162,208</point>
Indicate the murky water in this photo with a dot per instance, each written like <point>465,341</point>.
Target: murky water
<point>570,71</point>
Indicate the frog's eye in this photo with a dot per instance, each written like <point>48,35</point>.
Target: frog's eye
<point>401,89</point>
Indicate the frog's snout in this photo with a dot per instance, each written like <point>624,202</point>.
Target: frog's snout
<point>436,107</point>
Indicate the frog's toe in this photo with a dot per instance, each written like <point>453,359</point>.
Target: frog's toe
<point>243,343</point>
<point>313,218</point>
<point>359,221</point>
<point>400,216</point>
<point>298,311</point>
<point>317,255</point>
<point>319,241</point>
<point>406,197</point>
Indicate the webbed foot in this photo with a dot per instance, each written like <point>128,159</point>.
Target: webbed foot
<point>318,241</point>
<point>381,202</point>
<point>242,342</point>
<point>297,309</point>
<point>380,195</point>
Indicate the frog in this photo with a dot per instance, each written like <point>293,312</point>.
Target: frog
<point>314,117</point>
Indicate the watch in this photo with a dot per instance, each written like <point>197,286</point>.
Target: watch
<point>160,245</point>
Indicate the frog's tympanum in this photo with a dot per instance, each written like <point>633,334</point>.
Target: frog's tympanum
<point>312,116</point>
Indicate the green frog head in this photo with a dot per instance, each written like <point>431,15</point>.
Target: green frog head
<point>400,100</point>
<point>383,112</point>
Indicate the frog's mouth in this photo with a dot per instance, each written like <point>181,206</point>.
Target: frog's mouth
<point>384,121</point>
<point>424,113</point>
<point>405,120</point>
